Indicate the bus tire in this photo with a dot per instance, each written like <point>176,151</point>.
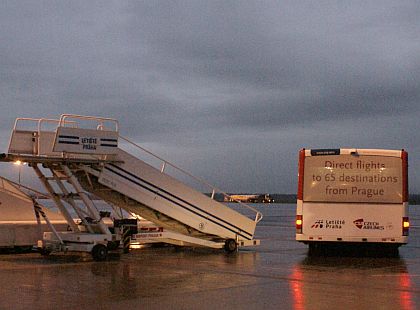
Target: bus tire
<point>315,249</point>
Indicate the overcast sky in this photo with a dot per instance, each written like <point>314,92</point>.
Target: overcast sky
<point>228,90</point>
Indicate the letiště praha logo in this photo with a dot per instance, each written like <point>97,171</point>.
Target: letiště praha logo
<point>328,224</point>
<point>318,224</point>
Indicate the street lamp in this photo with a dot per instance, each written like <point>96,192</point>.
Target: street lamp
<point>19,164</point>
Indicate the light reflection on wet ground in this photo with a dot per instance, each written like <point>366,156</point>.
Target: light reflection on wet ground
<point>276,275</point>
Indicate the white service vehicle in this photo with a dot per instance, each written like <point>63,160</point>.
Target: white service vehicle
<point>19,228</point>
<point>352,196</point>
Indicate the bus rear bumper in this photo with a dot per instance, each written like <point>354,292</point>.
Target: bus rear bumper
<point>353,249</point>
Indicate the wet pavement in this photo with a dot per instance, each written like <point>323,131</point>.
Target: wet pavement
<point>276,275</point>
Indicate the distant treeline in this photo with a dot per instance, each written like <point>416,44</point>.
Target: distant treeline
<point>284,198</point>
<point>277,198</point>
<point>291,198</point>
<point>414,199</point>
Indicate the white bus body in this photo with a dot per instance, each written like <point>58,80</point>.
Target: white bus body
<point>352,196</point>
<point>18,225</point>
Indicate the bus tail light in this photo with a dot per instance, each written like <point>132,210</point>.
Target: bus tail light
<point>299,224</point>
<point>405,226</point>
<point>404,157</point>
<point>301,171</point>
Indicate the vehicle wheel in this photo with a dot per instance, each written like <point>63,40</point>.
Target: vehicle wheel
<point>231,245</point>
<point>99,252</point>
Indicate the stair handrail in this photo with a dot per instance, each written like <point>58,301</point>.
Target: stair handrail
<point>17,120</point>
<point>19,186</point>
<point>63,120</point>
<point>258,214</point>
<point>51,120</point>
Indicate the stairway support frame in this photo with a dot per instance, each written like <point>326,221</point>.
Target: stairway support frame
<point>56,199</point>
<point>85,198</point>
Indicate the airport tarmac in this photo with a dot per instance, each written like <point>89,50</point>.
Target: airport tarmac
<point>276,275</point>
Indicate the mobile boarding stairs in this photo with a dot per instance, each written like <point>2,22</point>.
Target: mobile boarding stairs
<point>82,154</point>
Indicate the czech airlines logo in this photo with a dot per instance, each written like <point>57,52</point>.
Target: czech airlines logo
<point>318,224</point>
<point>361,224</point>
<point>358,223</point>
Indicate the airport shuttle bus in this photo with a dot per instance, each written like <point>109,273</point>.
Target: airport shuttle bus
<point>352,197</point>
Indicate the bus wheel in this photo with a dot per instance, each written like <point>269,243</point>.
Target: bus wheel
<point>231,245</point>
<point>99,252</point>
<point>315,249</point>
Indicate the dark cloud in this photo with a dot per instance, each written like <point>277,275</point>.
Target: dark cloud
<point>229,90</point>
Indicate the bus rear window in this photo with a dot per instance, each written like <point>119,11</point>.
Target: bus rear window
<point>350,178</point>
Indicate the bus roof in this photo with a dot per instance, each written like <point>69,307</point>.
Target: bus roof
<point>350,151</point>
